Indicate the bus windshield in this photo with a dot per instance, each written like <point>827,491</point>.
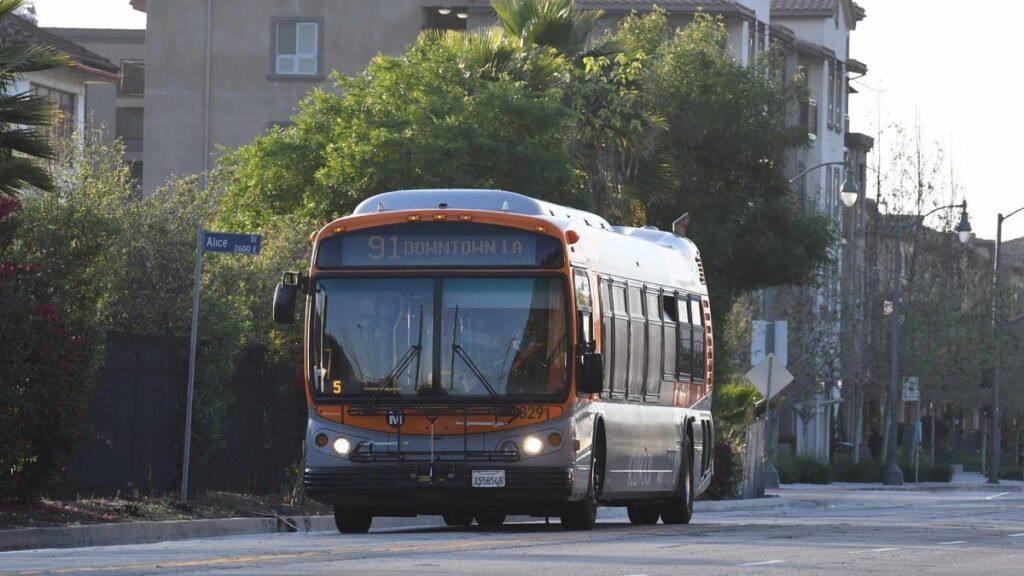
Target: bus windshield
<point>439,337</point>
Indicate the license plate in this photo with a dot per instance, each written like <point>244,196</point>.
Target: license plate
<point>488,478</point>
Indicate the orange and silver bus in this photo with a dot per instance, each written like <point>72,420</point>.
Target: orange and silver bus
<point>479,353</point>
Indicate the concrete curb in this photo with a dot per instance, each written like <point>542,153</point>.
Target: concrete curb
<point>148,532</point>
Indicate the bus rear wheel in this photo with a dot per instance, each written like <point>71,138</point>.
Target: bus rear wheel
<point>643,514</point>
<point>679,508</point>
<point>352,520</point>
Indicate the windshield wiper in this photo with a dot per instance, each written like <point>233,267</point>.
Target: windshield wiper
<point>412,353</point>
<point>457,349</point>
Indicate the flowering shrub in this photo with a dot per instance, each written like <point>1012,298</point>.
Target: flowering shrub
<point>46,362</point>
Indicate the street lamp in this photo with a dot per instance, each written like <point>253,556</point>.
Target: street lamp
<point>892,474</point>
<point>849,193</point>
<point>997,444</point>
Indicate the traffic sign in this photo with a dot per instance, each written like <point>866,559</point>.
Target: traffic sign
<point>769,376</point>
<point>912,389</point>
<point>234,243</point>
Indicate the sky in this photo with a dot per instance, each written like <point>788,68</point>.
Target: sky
<point>935,63</point>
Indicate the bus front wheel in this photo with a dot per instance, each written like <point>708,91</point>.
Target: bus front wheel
<point>679,508</point>
<point>582,515</point>
<point>352,520</point>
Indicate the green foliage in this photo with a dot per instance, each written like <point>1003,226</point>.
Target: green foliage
<point>1011,473</point>
<point>52,280</point>
<point>843,469</point>
<point>926,471</point>
<point>24,118</point>
<point>455,110</point>
<point>801,470</point>
<point>733,410</point>
<point>728,469</point>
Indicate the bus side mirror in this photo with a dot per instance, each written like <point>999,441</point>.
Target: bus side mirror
<point>591,377</point>
<point>285,296</point>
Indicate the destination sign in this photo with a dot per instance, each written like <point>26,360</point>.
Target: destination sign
<point>234,243</point>
<point>430,244</point>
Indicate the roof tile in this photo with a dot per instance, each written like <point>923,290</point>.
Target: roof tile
<point>15,29</point>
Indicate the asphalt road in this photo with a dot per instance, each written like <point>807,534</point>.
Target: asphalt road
<point>822,531</point>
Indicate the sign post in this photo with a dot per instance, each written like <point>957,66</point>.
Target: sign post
<point>248,244</point>
<point>762,376</point>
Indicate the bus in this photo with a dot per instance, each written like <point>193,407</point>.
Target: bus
<point>478,353</point>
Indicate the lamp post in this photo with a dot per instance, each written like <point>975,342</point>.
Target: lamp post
<point>993,474</point>
<point>893,476</point>
<point>848,195</point>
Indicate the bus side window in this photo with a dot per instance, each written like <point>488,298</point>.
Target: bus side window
<point>637,343</point>
<point>669,317</point>
<point>697,316</point>
<point>584,314</point>
<point>684,337</point>
<point>605,286</point>
<point>653,386</point>
<point>620,362</point>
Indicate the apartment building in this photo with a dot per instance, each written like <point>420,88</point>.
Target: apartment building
<point>81,92</point>
<point>123,117</point>
<point>220,72</point>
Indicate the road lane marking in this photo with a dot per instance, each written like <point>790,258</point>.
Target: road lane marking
<point>1016,535</point>
<point>993,497</point>
<point>765,563</point>
<point>355,552</point>
<point>955,542</point>
<point>874,550</point>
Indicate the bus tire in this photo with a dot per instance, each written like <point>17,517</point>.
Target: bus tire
<point>490,520</point>
<point>679,508</point>
<point>352,520</point>
<point>459,519</point>
<point>643,514</point>
<point>582,515</point>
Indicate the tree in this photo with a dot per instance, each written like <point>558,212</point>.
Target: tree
<point>24,117</point>
<point>456,110</point>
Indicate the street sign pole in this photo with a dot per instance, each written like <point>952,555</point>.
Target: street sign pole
<point>200,234</point>
<point>245,244</point>
<point>771,475</point>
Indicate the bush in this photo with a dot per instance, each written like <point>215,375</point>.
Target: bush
<point>802,470</point>
<point>843,469</point>
<point>728,470</point>
<point>926,471</point>
<point>1011,473</point>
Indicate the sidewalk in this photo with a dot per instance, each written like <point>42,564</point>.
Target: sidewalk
<point>148,532</point>
<point>965,481</point>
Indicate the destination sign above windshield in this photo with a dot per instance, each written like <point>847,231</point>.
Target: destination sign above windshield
<point>440,244</point>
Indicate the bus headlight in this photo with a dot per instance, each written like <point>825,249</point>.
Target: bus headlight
<point>532,445</point>
<point>342,446</point>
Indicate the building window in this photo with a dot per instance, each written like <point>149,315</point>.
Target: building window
<point>831,95</point>
<point>65,103</point>
<point>297,47</point>
<point>133,78</point>
<point>129,128</point>
<point>809,118</point>
<point>839,97</point>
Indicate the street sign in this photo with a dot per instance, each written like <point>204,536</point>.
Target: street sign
<point>912,389</point>
<point>769,337</point>
<point>769,376</point>
<point>234,243</point>
<point>247,244</point>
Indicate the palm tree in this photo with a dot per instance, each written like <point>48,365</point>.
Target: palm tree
<point>24,117</point>
<point>549,23</point>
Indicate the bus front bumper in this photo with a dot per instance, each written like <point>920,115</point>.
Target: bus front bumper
<point>422,488</point>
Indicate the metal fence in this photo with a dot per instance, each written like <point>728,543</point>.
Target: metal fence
<point>753,461</point>
<point>136,419</point>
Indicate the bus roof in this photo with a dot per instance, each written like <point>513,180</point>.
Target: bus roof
<point>630,253</point>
